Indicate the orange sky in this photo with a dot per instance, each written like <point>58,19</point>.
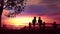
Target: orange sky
<point>22,19</point>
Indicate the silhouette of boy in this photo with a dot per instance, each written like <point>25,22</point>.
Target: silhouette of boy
<point>54,25</point>
<point>34,21</point>
<point>43,25</point>
<point>40,22</point>
<point>29,25</point>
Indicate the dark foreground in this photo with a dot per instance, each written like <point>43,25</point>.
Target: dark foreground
<point>30,31</point>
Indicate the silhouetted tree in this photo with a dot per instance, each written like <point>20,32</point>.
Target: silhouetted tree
<point>54,25</point>
<point>34,21</point>
<point>40,22</point>
<point>10,4</point>
<point>1,9</point>
<point>16,5</point>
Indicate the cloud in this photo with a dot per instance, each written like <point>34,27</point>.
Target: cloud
<point>52,4</point>
<point>33,2</point>
<point>41,10</point>
<point>49,8</point>
<point>35,9</point>
<point>50,1</point>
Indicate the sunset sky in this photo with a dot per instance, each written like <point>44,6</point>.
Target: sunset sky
<point>48,10</point>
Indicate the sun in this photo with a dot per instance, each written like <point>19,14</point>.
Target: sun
<point>20,21</point>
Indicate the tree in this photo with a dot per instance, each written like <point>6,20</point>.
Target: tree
<point>16,5</point>
<point>1,6</point>
<point>1,9</point>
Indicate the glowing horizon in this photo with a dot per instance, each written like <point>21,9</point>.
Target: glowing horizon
<point>22,20</point>
<point>48,10</point>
